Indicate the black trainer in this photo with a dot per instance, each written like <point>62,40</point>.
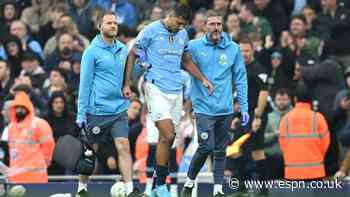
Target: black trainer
<point>186,191</point>
<point>136,193</point>
<point>219,194</point>
<point>82,193</point>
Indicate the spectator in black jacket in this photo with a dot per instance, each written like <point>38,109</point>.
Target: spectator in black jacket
<point>13,48</point>
<point>337,19</point>
<point>62,123</point>
<point>31,67</point>
<point>279,74</point>
<point>325,80</point>
<point>6,80</point>
<point>8,13</point>
<point>270,9</point>
<point>59,117</point>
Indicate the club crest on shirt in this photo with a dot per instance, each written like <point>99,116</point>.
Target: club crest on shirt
<point>204,54</point>
<point>96,130</point>
<point>223,59</point>
<point>204,136</point>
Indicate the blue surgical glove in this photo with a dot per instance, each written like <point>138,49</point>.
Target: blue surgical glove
<point>141,58</point>
<point>245,118</point>
<point>81,124</point>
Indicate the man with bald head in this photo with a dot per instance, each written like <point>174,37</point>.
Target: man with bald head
<point>19,29</point>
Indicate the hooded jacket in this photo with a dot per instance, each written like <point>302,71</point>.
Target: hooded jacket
<point>223,65</point>
<point>304,140</point>
<point>15,61</point>
<point>5,24</point>
<point>30,144</point>
<point>101,79</point>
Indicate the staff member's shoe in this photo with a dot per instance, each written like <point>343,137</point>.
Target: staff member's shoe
<point>82,193</point>
<point>186,191</point>
<point>136,193</point>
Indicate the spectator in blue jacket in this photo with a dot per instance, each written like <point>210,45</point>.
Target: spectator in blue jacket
<point>125,11</point>
<point>82,14</point>
<point>19,29</point>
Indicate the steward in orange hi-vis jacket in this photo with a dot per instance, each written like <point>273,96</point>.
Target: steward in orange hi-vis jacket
<point>30,141</point>
<point>304,140</point>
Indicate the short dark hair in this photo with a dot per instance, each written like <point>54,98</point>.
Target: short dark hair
<point>29,56</point>
<point>303,93</point>
<point>245,39</point>
<point>102,14</point>
<point>22,87</point>
<point>60,7</point>
<point>61,72</point>
<point>282,91</point>
<point>183,11</point>
<point>124,30</point>
<point>299,17</point>
<point>250,6</point>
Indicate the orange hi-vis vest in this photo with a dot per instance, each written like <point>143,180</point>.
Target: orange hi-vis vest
<point>304,140</point>
<point>31,145</point>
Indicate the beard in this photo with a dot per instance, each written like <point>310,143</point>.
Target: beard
<point>110,34</point>
<point>282,108</point>
<point>215,36</point>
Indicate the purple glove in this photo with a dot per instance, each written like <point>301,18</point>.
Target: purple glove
<point>81,124</point>
<point>245,118</point>
<point>141,58</point>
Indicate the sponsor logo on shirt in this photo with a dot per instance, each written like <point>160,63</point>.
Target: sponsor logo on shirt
<point>223,59</point>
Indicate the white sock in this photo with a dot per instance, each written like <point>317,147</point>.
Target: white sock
<point>149,184</point>
<point>129,187</point>
<point>173,190</point>
<point>82,186</point>
<point>217,189</point>
<point>189,182</point>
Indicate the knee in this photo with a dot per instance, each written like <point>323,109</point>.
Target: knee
<point>205,149</point>
<point>123,146</point>
<point>167,138</point>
